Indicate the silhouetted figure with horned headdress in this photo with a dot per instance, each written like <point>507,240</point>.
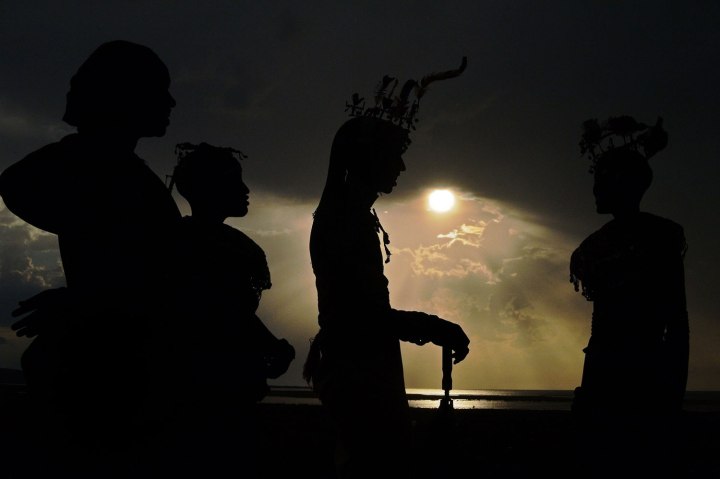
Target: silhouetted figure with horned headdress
<point>636,361</point>
<point>220,353</point>
<point>355,363</point>
<point>86,367</point>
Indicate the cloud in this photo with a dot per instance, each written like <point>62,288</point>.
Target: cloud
<point>502,275</point>
<point>29,262</point>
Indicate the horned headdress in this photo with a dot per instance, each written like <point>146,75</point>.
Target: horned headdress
<point>401,107</point>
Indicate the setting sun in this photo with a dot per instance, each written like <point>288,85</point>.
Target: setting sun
<point>441,201</point>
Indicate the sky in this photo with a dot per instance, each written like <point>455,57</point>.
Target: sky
<point>272,78</point>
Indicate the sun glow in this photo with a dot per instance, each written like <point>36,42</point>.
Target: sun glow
<point>441,201</point>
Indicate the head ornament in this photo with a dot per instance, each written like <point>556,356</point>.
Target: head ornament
<point>599,138</point>
<point>182,150</point>
<point>398,107</point>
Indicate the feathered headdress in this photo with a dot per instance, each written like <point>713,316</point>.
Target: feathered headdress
<point>398,108</point>
<point>621,132</point>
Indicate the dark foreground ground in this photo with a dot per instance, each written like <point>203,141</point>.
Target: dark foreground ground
<point>296,441</point>
<point>480,443</point>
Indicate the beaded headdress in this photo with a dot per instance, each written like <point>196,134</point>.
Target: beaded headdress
<point>598,138</point>
<point>398,107</point>
<point>184,149</point>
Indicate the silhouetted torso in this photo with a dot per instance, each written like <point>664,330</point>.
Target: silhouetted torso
<point>632,271</point>
<point>353,296</point>
<point>225,273</point>
<point>113,217</point>
<point>360,375</point>
<point>210,368</point>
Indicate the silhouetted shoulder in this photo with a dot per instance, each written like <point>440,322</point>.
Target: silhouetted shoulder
<point>77,181</point>
<point>624,249</point>
<point>32,187</point>
<point>223,255</point>
<point>664,230</point>
<point>646,226</point>
<point>223,237</point>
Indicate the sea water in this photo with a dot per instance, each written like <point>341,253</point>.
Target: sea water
<point>515,399</point>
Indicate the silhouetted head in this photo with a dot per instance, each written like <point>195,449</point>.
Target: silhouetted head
<point>210,179</point>
<point>121,86</point>
<point>370,152</point>
<point>621,178</point>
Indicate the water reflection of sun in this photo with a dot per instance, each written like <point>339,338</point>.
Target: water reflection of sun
<point>441,201</point>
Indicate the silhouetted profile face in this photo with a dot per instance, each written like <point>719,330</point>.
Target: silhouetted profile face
<point>211,180</point>
<point>372,150</point>
<point>121,86</point>
<point>387,171</point>
<point>621,177</point>
<point>230,194</point>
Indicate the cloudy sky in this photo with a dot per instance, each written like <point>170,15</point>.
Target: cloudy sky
<point>271,78</point>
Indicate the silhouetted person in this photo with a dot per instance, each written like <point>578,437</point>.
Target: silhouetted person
<point>355,362</point>
<point>221,354</point>
<point>636,361</point>
<point>86,367</point>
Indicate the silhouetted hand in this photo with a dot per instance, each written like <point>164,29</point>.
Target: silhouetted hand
<point>448,334</point>
<point>422,328</point>
<point>279,358</point>
<point>43,307</point>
